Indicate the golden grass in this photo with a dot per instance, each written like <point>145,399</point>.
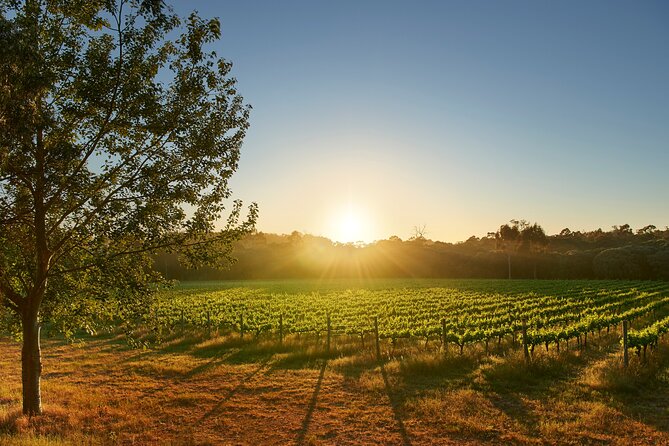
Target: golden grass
<point>220,389</point>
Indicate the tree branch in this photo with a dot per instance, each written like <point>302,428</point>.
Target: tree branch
<point>11,295</point>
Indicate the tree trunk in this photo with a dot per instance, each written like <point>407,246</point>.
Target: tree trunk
<point>508,259</point>
<point>31,366</point>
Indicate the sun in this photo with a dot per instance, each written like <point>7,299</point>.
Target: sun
<point>351,226</point>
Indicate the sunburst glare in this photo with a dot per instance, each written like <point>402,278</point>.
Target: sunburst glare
<point>351,225</point>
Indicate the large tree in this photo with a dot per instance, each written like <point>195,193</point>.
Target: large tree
<point>119,132</point>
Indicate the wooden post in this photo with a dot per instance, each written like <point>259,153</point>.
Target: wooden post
<point>443,335</point>
<point>329,333</point>
<point>376,337</point>
<point>183,323</point>
<point>208,321</point>
<point>281,329</point>
<point>626,359</point>
<point>241,325</point>
<point>525,352</point>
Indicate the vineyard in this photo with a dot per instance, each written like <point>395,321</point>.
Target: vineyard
<point>458,313</point>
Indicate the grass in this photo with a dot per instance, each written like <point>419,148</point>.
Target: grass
<point>200,389</point>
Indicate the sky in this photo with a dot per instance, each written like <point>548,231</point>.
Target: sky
<point>372,118</point>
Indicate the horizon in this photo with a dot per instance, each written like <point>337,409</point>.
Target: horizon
<point>428,238</point>
<point>371,119</point>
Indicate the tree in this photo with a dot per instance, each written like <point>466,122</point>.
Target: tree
<point>622,230</point>
<point>647,230</point>
<point>419,233</point>
<point>507,238</point>
<point>534,240</point>
<point>115,142</point>
<point>566,232</point>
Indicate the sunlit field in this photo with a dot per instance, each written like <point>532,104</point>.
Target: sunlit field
<point>302,362</point>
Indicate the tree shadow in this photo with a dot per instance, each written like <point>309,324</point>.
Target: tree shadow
<point>513,406</point>
<point>232,392</point>
<point>209,365</point>
<point>395,404</point>
<point>312,406</point>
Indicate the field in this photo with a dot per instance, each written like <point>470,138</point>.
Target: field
<point>362,362</point>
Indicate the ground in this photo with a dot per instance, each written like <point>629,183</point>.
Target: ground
<point>217,389</point>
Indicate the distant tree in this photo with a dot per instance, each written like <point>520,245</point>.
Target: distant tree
<point>419,233</point>
<point>622,229</point>
<point>115,142</point>
<point>534,240</point>
<point>649,229</point>
<point>507,238</point>
<point>566,232</point>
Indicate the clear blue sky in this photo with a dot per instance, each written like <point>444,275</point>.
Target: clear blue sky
<point>370,118</point>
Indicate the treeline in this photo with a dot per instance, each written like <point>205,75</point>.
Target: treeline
<point>518,250</point>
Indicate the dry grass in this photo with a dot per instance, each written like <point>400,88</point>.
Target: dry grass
<point>203,390</point>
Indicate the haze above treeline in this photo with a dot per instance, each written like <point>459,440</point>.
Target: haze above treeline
<point>517,249</point>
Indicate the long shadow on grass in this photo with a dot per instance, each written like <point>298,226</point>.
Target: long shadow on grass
<point>312,406</point>
<point>209,365</point>
<point>395,404</point>
<point>231,393</point>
